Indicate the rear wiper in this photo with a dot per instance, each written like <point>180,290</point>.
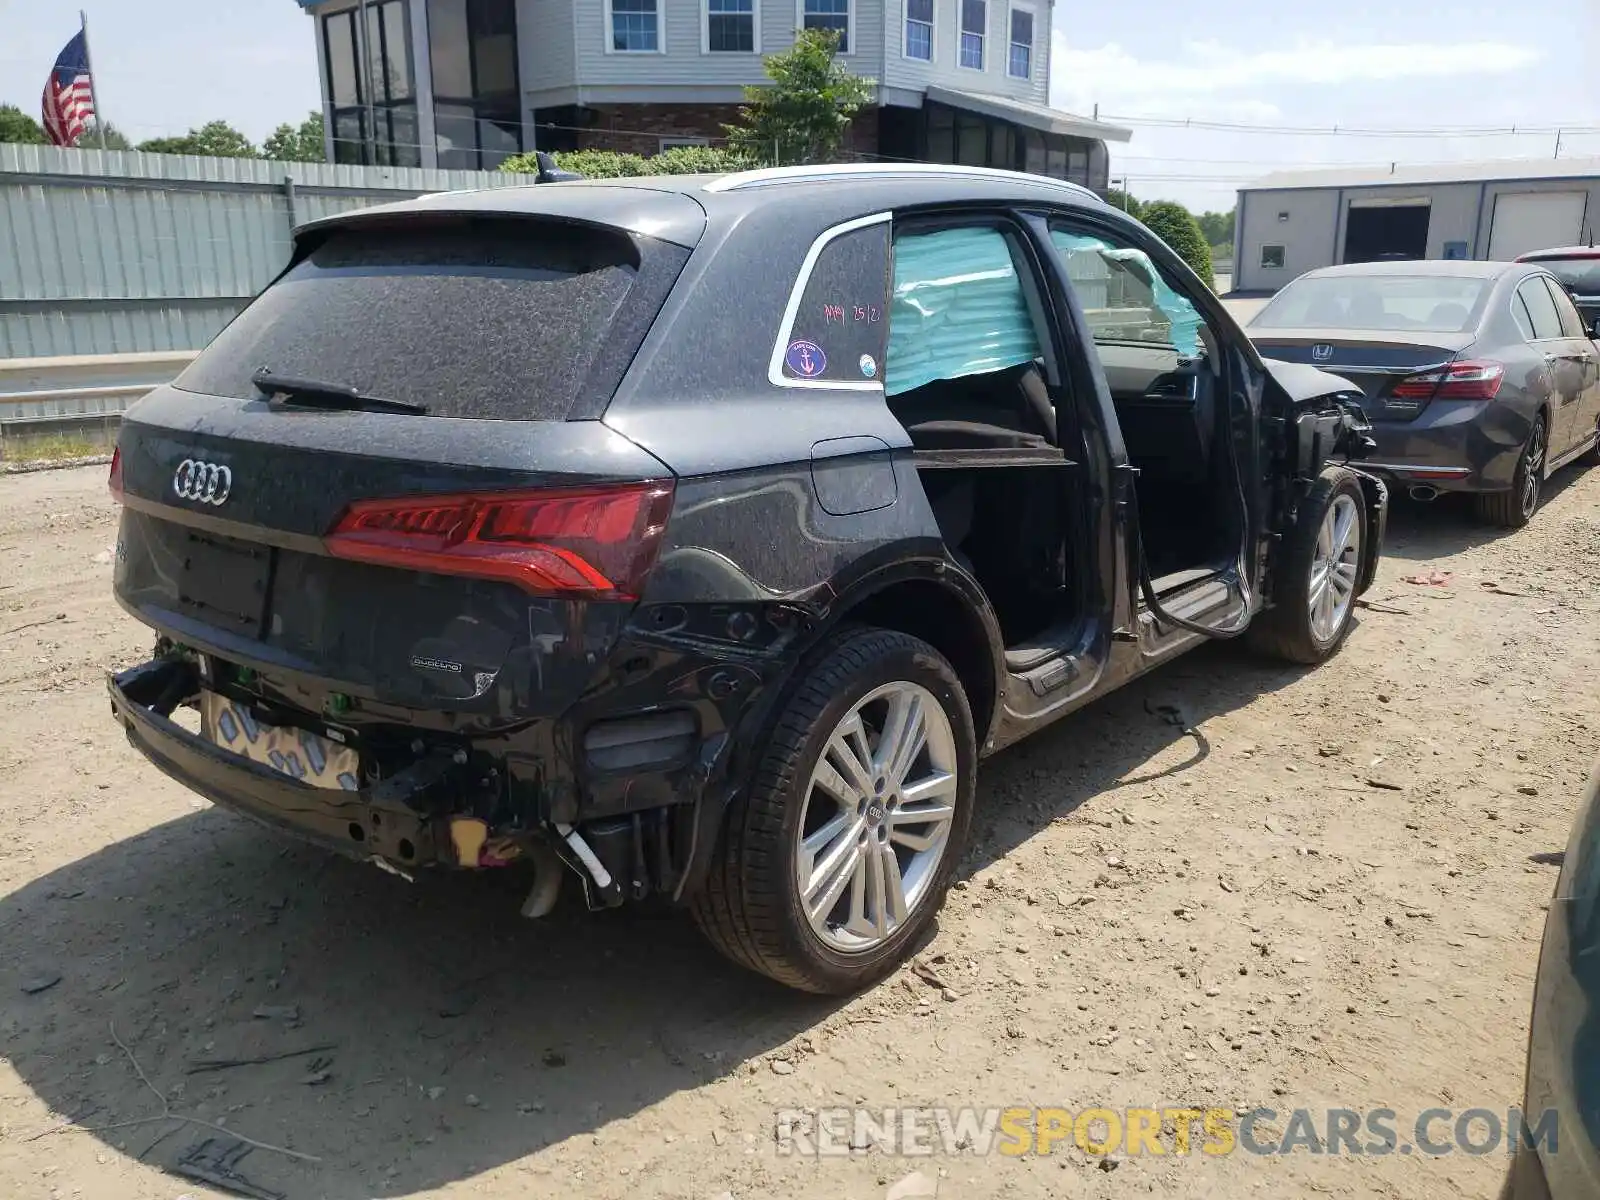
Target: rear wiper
<point>315,393</point>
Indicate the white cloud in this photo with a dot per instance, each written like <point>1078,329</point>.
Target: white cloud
<point>1216,74</point>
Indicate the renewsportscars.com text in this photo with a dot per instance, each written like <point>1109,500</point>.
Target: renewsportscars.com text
<point>1019,1130</point>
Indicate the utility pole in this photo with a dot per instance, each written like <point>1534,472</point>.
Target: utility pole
<point>94,94</point>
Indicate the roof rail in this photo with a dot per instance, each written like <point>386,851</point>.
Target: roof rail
<point>773,176</point>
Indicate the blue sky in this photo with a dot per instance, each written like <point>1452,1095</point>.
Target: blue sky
<point>1357,63</point>
<point>162,66</point>
<point>165,65</point>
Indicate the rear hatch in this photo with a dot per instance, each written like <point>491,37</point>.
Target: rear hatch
<point>368,483</point>
<point>1397,373</point>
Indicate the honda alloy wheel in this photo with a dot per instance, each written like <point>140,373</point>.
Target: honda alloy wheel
<point>1514,507</point>
<point>1531,471</point>
<point>835,860</point>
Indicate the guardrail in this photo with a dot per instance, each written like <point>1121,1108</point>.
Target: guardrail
<point>77,393</point>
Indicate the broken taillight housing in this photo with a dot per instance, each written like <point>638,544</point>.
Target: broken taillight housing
<point>114,479</point>
<point>1469,379</point>
<point>596,542</point>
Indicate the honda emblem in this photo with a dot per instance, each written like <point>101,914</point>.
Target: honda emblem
<point>1321,352</point>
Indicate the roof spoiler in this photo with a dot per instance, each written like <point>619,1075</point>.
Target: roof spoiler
<point>549,172</point>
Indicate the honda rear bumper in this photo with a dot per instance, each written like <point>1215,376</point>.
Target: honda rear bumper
<point>1454,446</point>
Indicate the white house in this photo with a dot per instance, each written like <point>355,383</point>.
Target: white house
<point>464,83</point>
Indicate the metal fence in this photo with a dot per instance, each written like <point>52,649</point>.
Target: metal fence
<point>117,252</point>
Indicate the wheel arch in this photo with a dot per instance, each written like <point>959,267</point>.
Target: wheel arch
<point>946,608</point>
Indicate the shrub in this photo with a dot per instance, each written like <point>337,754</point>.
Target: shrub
<point>609,164</point>
<point>1175,225</point>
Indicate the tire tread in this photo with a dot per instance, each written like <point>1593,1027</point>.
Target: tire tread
<point>1284,631</point>
<point>741,907</point>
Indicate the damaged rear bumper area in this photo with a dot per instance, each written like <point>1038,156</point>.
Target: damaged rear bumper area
<point>438,804</point>
<point>386,820</point>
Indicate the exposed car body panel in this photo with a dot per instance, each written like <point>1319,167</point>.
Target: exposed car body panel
<point>1302,383</point>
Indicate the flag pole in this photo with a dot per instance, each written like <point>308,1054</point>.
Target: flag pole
<point>94,96</point>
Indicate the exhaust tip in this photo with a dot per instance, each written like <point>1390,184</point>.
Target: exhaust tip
<point>1423,492</point>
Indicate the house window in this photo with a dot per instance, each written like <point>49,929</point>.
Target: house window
<point>1019,61</point>
<point>635,26</point>
<point>1272,258</point>
<point>477,112</point>
<point>829,14</point>
<point>974,18</point>
<point>731,26</point>
<point>374,103</point>
<point>919,30</point>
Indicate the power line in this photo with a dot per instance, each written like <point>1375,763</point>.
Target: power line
<point>1413,131</point>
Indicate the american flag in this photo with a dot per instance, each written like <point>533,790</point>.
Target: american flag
<point>68,94</point>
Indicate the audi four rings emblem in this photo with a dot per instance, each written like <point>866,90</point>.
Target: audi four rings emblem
<point>206,482</point>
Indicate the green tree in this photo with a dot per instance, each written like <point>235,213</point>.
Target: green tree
<point>115,138</point>
<point>18,126</point>
<point>215,139</point>
<point>302,143</point>
<point>1120,199</point>
<point>1217,227</point>
<point>1175,225</point>
<point>802,115</point>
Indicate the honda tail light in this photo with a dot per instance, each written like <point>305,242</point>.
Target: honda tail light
<point>114,480</point>
<point>1470,379</point>
<point>595,542</point>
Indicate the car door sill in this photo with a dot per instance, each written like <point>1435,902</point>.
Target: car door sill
<point>1556,463</point>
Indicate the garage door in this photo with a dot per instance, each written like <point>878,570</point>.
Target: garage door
<point>1525,221</point>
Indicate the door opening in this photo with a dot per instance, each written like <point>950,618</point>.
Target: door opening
<point>1378,233</point>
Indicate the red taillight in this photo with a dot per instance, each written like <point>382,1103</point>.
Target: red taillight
<point>1470,379</point>
<point>597,542</point>
<point>114,480</point>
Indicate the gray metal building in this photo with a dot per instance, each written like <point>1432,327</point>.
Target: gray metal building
<point>1295,221</point>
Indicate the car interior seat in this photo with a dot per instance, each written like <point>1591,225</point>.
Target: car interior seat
<point>1005,409</point>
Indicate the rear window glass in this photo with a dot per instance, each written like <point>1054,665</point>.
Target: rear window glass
<point>840,328</point>
<point>490,320</point>
<point>1581,276</point>
<point>1430,303</point>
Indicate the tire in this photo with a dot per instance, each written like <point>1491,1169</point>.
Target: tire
<point>751,907</point>
<point>1290,630</point>
<point>1514,508</point>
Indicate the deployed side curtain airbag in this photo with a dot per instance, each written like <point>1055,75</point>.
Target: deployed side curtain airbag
<point>1185,322</point>
<point>957,309</point>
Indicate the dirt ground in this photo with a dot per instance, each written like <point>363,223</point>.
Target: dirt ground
<point>1235,918</point>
